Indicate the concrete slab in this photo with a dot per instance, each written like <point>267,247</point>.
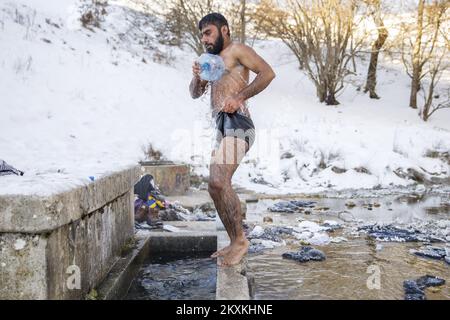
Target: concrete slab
<point>192,199</point>
<point>171,178</point>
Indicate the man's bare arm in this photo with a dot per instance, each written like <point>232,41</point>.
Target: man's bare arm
<point>197,86</point>
<point>249,58</point>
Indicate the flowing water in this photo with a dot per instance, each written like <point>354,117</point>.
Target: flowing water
<point>361,268</point>
<point>169,277</point>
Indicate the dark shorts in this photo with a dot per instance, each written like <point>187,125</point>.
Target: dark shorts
<point>234,125</point>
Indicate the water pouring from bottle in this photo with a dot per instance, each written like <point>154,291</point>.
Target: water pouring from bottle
<point>212,67</point>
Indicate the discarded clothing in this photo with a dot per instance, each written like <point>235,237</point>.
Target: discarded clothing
<point>146,226</point>
<point>6,169</point>
<point>305,254</point>
<point>291,206</point>
<point>396,234</point>
<point>175,212</point>
<point>429,281</point>
<point>269,233</point>
<point>205,213</point>
<point>433,253</point>
<point>256,248</point>
<point>414,289</point>
<point>331,225</point>
<point>146,187</point>
<point>259,245</point>
<point>145,213</point>
<point>280,230</point>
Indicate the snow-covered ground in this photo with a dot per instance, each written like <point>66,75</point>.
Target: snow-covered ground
<point>76,103</point>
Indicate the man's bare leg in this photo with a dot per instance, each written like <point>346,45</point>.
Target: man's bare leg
<point>224,163</point>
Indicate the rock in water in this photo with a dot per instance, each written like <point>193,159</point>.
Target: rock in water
<point>305,254</point>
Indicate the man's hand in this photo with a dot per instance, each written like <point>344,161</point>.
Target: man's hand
<point>197,86</point>
<point>196,70</point>
<point>232,104</point>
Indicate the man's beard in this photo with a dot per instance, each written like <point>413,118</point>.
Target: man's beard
<point>217,47</point>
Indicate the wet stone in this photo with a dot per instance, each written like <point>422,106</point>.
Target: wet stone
<point>305,254</point>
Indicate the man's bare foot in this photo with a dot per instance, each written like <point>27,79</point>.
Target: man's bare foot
<point>221,252</point>
<point>234,256</point>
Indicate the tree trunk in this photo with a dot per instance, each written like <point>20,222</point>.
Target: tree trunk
<point>331,99</point>
<point>321,92</point>
<point>378,44</point>
<point>242,36</point>
<point>415,81</point>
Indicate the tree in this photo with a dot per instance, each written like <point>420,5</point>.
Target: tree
<point>425,53</point>
<point>416,63</point>
<point>321,35</point>
<point>180,21</point>
<point>383,34</point>
<point>437,63</point>
<point>239,14</point>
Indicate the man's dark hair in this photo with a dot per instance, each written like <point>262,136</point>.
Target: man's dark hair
<point>216,19</point>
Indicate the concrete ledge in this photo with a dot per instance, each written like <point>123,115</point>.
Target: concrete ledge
<point>184,242</point>
<point>116,285</point>
<point>35,214</point>
<point>232,284</point>
<point>64,258</point>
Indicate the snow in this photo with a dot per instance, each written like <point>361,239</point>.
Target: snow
<point>309,226</point>
<point>267,244</point>
<point>257,231</point>
<point>19,244</point>
<point>85,104</point>
<point>312,233</point>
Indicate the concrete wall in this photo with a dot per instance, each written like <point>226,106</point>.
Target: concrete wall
<point>49,245</point>
<point>172,179</point>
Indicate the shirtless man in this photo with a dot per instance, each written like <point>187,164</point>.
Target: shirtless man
<point>234,126</point>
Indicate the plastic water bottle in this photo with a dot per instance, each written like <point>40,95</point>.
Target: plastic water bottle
<point>212,67</point>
